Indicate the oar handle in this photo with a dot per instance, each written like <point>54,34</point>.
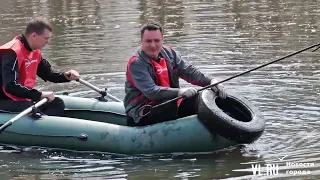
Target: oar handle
<point>103,93</point>
<point>23,113</point>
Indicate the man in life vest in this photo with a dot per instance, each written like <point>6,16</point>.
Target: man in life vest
<point>152,77</point>
<point>21,62</point>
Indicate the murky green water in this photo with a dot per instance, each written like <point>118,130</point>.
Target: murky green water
<point>222,38</point>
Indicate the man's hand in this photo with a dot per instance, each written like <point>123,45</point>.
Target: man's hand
<point>219,89</point>
<point>187,92</point>
<point>72,75</point>
<point>48,94</point>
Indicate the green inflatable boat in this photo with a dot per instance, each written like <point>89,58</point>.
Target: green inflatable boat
<point>90,124</point>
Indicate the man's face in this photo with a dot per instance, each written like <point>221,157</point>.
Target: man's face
<point>40,40</point>
<point>151,43</point>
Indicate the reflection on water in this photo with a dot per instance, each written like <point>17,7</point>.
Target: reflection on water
<point>222,38</point>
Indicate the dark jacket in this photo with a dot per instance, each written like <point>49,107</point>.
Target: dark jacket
<point>10,75</point>
<point>141,86</point>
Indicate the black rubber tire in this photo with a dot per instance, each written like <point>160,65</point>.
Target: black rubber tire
<point>218,121</point>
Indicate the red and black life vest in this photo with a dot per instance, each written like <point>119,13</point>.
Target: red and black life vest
<point>28,62</point>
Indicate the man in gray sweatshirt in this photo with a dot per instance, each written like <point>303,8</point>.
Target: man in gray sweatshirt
<point>153,74</point>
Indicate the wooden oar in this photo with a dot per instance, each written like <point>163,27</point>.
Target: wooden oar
<point>103,93</point>
<point>23,113</point>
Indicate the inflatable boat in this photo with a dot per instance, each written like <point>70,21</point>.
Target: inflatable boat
<point>96,125</point>
<point>99,125</point>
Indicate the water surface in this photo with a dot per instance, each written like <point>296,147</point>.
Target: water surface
<point>222,38</point>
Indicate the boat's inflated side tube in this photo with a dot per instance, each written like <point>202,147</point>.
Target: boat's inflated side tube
<point>233,118</point>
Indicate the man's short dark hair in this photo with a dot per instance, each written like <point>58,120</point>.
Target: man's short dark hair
<point>37,25</point>
<point>151,26</point>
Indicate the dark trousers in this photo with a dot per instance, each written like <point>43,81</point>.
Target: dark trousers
<point>167,112</point>
<point>53,108</point>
